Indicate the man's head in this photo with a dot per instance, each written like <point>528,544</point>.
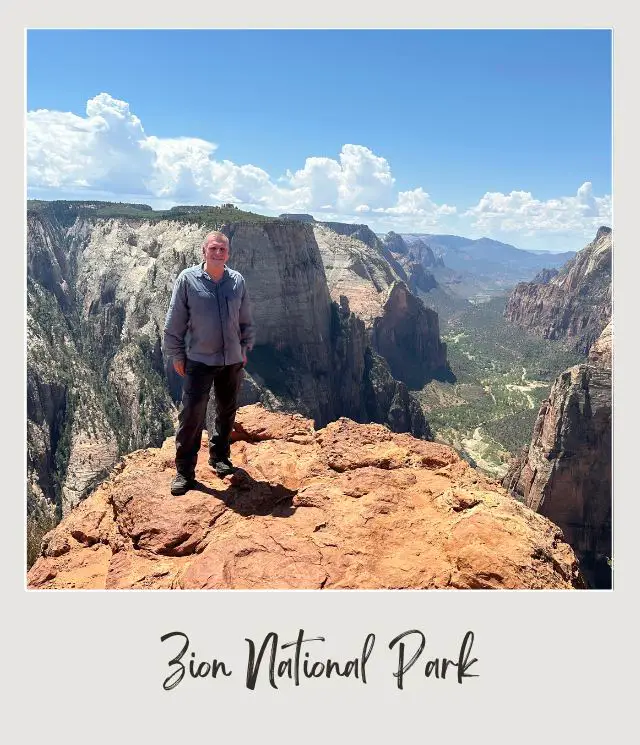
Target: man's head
<point>215,248</point>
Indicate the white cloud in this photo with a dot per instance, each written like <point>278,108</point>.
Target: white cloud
<point>104,151</point>
<point>317,184</point>
<point>108,153</point>
<point>181,168</point>
<point>108,150</point>
<point>358,179</point>
<point>418,202</point>
<point>366,178</point>
<point>520,212</point>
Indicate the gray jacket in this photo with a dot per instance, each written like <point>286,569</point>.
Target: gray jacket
<point>209,321</point>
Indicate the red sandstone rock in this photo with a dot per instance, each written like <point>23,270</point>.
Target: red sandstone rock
<point>350,506</point>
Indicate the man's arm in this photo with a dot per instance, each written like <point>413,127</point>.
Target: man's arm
<point>247,329</point>
<point>176,324</point>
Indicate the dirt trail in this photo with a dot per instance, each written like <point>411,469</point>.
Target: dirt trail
<point>528,386</point>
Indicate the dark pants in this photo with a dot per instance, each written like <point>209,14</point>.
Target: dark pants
<point>198,379</point>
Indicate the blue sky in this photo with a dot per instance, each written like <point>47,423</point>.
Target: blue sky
<point>499,133</point>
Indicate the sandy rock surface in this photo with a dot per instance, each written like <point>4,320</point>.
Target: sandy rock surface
<point>349,506</point>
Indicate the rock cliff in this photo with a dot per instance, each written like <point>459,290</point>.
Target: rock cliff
<point>347,506</point>
<point>400,328</point>
<point>359,232</point>
<point>420,280</point>
<point>356,270</point>
<point>417,250</point>
<point>70,434</point>
<point>395,243</point>
<point>421,252</point>
<point>97,383</point>
<point>566,472</point>
<point>408,337</point>
<point>544,276</point>
<point>575,304</point>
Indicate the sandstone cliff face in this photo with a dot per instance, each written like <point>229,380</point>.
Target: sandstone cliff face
<point>408,337</point>
<point>401,329</point>
<point>310,351</point>
<point>601,353</point>
<point>92,392</point>
<point>292,308</point>
<point>47,263</point>
<point>575,304</point>
<point>356,270</point>
<point>411,258</point>
<point>71,441</point>
<point>544,276</point>
<point>348,506</point>
<point>98,385</point>
<point>566,472</point>
<point>360,232</point>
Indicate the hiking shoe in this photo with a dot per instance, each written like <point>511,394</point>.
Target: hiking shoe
<point>222,466</point>
<point>181,485</point>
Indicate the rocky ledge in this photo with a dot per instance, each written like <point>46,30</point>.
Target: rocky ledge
<point>348,506</point>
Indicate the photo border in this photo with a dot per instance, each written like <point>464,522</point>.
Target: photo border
<point>551,664</point>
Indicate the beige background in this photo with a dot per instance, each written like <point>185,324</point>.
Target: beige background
<point>88,666</point>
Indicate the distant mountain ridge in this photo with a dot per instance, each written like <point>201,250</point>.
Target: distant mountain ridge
<point>460,250</point>
<point>483,265</point>
<point>459,242</point>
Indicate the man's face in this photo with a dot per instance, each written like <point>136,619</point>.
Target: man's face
<point>215,251</point>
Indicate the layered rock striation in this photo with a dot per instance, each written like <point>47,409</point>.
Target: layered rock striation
<point>401,329</point>
<point>97,381</point>
<point>575,304</point>
<point>356,270</point>
<point>565,474</point>
<point>347,506</point>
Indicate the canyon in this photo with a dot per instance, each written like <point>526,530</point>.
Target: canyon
<point>348,338</point>
<point>98,288</point>
<point>566,471</point>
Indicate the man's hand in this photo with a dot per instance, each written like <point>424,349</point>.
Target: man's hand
<point>244,359</point>
<point>178,366</point>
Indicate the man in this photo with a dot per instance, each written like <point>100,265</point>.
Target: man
<point>207,333</point>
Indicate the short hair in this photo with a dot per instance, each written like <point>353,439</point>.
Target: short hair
<point>214,234</point>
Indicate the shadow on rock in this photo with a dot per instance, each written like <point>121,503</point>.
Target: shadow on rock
<point>444,375</point>
<point>246,496</point>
